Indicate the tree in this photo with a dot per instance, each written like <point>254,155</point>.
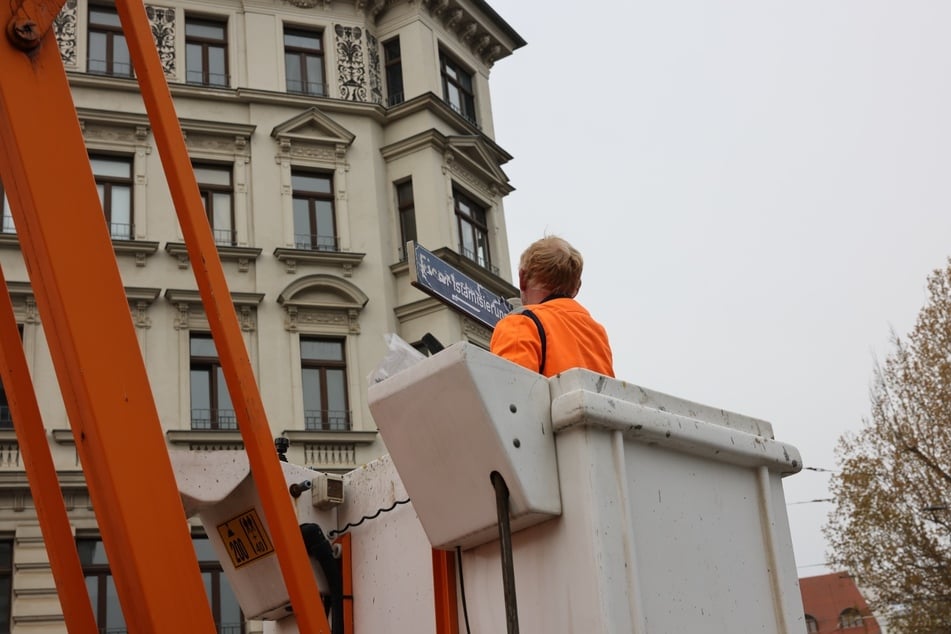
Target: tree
<point>891,524</point>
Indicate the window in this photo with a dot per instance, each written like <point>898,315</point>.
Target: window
<point>812,625</point>
<point>210,400</point>
<point>6,422</point>
<point>407,214</point>
<point>473,230</point>
<point>206,52</point>
<point>108,52</point>
<point>324,379</point>
<point>214,185</point>
<point>457,87</point>
<point>850,617</point>
<point>6,584</point>
<point>314,223</point>
<point>393,66</point>
<point>304,62</point>
<point>7,224</point>
<point>114,183</point>
<point>105,599</point>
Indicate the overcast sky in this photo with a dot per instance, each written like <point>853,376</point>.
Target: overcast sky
<point>760,189</point>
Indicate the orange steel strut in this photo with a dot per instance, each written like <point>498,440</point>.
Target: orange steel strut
<point>49,244</point>
<point>92,341</point>
<point>41,473</point>
<point>213,288</point>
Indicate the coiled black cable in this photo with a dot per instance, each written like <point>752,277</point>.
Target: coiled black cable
<point>349,525</point>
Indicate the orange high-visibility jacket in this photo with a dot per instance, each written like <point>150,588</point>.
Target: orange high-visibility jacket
<point>573,339</point>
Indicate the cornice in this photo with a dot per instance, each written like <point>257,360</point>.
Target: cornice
<point>431,103</point>
<point>242,95</point>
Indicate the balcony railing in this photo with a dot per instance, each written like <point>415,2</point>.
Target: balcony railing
<point>120,231</point>
<point>327,420</point>
<point>314,88</point>
<point>315,242</point>
<point>214,419</point>
<point>465,113</point>
<point>225,237</point>
<point>395,98</point>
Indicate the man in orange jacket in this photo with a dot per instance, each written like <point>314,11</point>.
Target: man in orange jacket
<point>553,332</point>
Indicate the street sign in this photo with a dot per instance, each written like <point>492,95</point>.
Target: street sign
<point>432,275</point>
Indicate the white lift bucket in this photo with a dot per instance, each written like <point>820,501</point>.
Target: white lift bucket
<point>672,516</point>
<point>453,419</point>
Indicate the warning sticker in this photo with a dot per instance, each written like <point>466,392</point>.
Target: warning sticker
<point>245,538</point>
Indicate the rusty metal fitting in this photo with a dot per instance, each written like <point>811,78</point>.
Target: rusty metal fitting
<point>24,33</point>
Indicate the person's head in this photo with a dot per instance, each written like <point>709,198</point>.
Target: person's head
<point>549,266</point>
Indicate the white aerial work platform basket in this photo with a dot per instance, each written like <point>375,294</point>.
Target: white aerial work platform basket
<point>671,517</point>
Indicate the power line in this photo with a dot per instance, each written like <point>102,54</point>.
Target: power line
<point>811,501</point>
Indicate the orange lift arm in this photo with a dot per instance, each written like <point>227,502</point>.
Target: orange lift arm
<point>75,278</point>
<point>213,287</point>
<point>41,473</point>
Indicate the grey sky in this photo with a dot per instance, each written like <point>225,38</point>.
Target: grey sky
<point>759,187</point>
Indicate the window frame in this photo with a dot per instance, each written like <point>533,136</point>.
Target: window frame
<point>111,33</point>
<point>313,240</point>
<point>452,74</point>
<point>326,419</point>
<point>103,572</point>
<point>218,418</point>
<point>207,190</point>
<point>205,44</point>
<point>6,220</point>
<point>302,54</point>
<point>108,183</point>
<point>393,71</point>
<point>405,215</point>
<point>476,226</point>
<point>850,618</point>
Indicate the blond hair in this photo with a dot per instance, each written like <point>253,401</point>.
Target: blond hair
<point>554,264</point>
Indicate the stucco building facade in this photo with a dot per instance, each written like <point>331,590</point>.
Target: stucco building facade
<point>324,135</point>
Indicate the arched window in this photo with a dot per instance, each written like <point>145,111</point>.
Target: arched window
<point>812,625</point>
<point>850,617</point>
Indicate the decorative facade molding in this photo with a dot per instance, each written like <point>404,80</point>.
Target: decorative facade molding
<point>373,69</point>
<point>162,22</point>
<point>191,313</point>
<point>318,303</point>
<point>64,28</point>
<point>351,68</point>
<point>140,299</point>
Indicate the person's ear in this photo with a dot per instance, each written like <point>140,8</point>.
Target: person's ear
<point>577,288</point>
<point>522,280</point>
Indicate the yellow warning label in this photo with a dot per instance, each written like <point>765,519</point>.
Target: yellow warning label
<point>245,538</point>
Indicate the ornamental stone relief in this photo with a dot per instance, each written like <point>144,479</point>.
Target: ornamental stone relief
<point>373,55</point>
<point>351,72</point>
<point>162,21</point>
<point>472,180</point>
<point>64,27</point>
<point>309,151</point>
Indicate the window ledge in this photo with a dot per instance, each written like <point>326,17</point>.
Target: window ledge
<point>63,436</point>
<point>242,255</point>
<point>204,436</point>
<point>346,259</point>
<point>9,241</point>
<point>140,249</point>
<point>8,435</point>
<point>301,436</point>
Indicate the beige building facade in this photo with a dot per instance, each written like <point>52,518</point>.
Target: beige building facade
<point>324,134</point>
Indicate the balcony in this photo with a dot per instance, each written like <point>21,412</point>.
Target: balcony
<point>480,260</point>
<point>326,420</point>
<point>214,419</point>
<point>316,242</point>
<point>121,231</point>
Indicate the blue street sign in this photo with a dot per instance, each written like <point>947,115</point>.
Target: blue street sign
<point>433,276</point>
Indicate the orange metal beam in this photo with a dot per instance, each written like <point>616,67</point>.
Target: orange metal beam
<point>444,592</point>
<point>41,474</point>
<point>213,288</point>
<point>88,324</point>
